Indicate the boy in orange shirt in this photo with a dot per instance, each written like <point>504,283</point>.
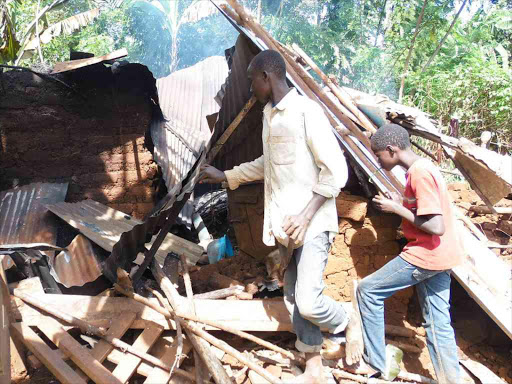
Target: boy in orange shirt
<point>426,261</point>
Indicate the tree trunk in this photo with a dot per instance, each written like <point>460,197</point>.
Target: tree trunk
<point>444,37</point>
<point>382,12</point>
<point>406,66</point>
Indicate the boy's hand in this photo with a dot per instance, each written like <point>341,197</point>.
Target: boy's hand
<point>386,205</point>
<point>296,226</point>
<point>211,175</point>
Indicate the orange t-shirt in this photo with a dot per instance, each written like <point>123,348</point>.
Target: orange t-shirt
<point>426,194</point>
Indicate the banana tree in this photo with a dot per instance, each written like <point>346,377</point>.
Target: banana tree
<point>9,44</point>
<point>176,13</point>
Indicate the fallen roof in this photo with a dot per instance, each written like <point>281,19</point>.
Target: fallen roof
<point>107,227</point>
<point>186,97</point>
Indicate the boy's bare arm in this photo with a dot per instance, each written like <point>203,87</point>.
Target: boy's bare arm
<point>296,226</point>
<point>431,224</point>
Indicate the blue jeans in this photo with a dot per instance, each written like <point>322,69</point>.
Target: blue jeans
<point>303,286</point>
<point>433,288</point>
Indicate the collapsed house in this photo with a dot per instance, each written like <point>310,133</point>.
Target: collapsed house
<point>115,168</point>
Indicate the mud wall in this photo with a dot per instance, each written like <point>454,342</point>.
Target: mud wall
<point>91,137</point>
<point>367,240</point>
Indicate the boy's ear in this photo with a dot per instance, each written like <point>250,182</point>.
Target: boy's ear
<point>264,74</point>
<point>390,150</point>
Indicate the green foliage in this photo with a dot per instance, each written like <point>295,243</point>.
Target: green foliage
<point>362,43</point>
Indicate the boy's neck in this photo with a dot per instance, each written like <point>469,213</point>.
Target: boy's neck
<point>279,91</point>
<point>408,158</point>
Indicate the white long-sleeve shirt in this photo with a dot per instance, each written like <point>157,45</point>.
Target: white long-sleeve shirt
<point>301,156</point>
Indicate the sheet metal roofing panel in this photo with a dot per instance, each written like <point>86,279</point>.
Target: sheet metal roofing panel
<point>24,217</point>
<point>186,98</point>
<point>245,142</point>
<point>78,265</point>
<point>115,231</point>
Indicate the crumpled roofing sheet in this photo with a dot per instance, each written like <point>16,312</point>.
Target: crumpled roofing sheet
<point>77,265</point>
<point>115,232</point>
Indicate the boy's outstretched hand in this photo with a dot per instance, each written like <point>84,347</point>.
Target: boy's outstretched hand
<point>211,175</point>
<point>387,204</point>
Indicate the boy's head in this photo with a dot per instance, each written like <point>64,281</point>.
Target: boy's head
<point>266,69</point>
<point>388,143</point>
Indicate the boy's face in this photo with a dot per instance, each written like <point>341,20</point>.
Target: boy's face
<point>260,85</point>
<point>388,158</point>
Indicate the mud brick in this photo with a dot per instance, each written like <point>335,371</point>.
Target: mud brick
<point>351,207</point>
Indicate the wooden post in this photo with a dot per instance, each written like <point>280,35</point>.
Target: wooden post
<point>229,130</point>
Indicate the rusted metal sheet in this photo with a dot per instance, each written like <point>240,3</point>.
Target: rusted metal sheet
<point>78,265</point>
<point>24,217</point>
<point>117,232</point>
<point>186,98</point>
<point>245,143</point>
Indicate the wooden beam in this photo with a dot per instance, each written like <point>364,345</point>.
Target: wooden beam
<point>81,357</point>
<point>75,64</point>
<point>215,149</point>
<point>102,349</point>
<point>144,342</point>
<point>158,375</point>
<point>52,359</point>
<point>484,210</point>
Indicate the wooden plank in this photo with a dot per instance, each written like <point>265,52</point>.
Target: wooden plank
<point>5,343</point>
<point>144,342</point>
<point>65,66</point>
<point>484,374</point>
<point>158,375</point>
<point>50,358</point>
<point>81,357</point>
<point>248,315</point>
<point>102,349</point>
<point>31,285</point>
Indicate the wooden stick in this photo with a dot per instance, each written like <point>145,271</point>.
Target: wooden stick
<point>179,332</point>
<point>424,151</point>
<point>341,94</point>
<point>233,352</point>
<point>339,374</point>
<point>211,323</point>
<point>415,378</point>
<point>231,14</point>
<point>229,130</point>
<point>483,210</point>
<point>201,371</point>
<point>91,329</point>
<point>200,345</point>
<point>219,293</point>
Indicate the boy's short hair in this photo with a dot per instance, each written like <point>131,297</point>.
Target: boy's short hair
<point>271,62</point>
<point>390,134</point>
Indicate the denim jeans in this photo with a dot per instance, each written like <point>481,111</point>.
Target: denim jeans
<point>308,307</point>
<point>433,288</point>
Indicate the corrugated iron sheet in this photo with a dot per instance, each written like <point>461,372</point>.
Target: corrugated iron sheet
<point>245,143</point>
<point>186,98</point>
<point>78,265</point>
<point>119,233</point>
<point>24,217</point>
